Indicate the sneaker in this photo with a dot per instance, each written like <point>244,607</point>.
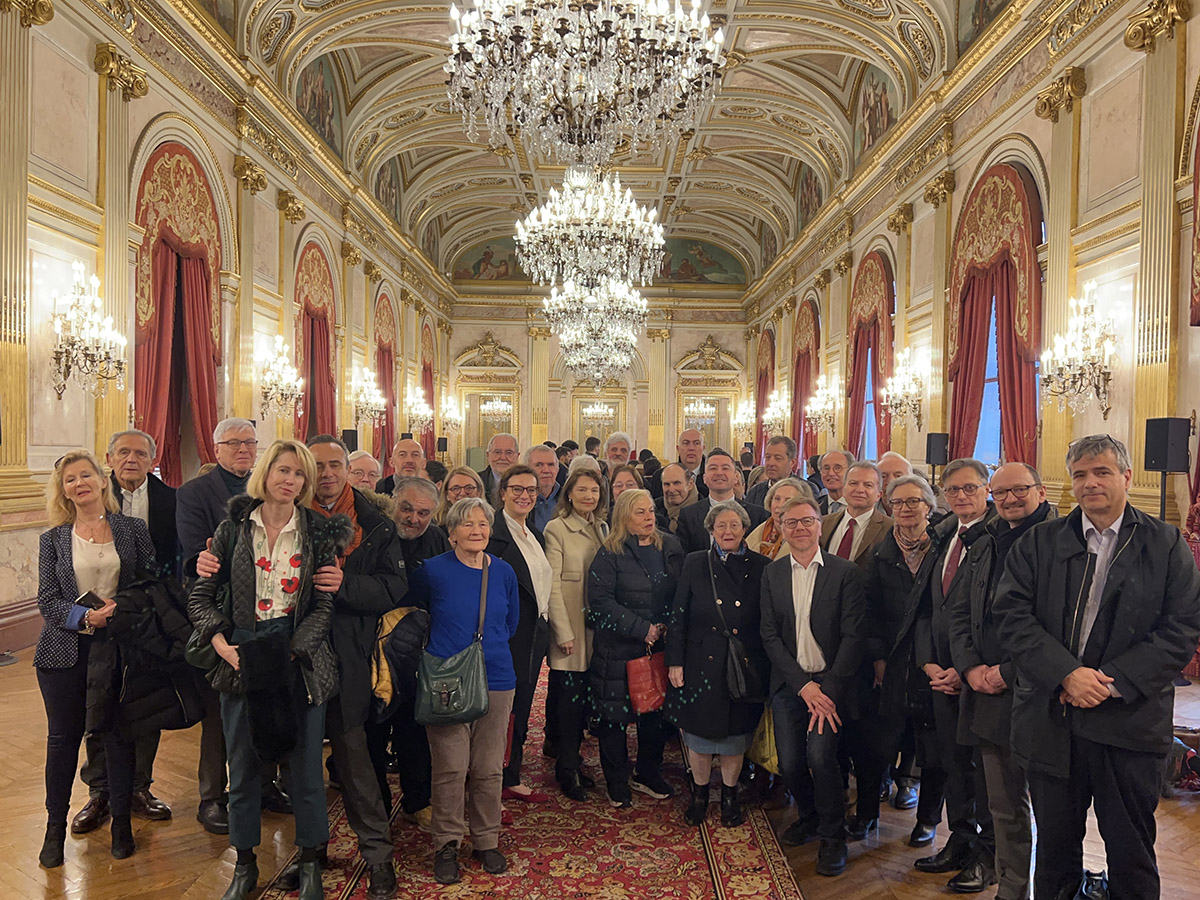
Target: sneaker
<point>445,864</point>
<point>620,801</point>
<point>422,818</point>
<point>654,787</point>
<point>493,861</point>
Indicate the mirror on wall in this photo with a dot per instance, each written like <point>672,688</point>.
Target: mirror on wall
<point>486,413</point>
<point>709,412</point>
<point>597,415</point>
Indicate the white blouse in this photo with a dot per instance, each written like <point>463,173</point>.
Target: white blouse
<point>535,558</point>
<point>97,566</point>
<point>277,571</point>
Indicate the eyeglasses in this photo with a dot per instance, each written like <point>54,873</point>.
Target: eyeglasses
<point>968,489</point>
<point>517,490</point>
<point>806,521</point>
<point>908,503</point>
<point>1021,491</point>
<point>469,489</point>
<point>234,445</point>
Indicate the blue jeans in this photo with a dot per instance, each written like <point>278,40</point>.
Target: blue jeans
<point>809,764</point>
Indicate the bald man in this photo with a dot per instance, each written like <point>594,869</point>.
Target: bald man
<point>408,461</point>
<point>690,451</point>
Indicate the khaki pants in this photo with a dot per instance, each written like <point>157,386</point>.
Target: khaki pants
<point>476,749</point>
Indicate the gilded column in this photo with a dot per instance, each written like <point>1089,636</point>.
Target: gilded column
<point>291,212</point>
<point>939,194</point>
<point>900,224</point>
<point>824,303</point>
<point>1057,104</point>
<point>1155,311</point>
<point>839,299</point>
<point>20,496</point>
<point>660,365</point>
<point>351,259</point>
<point>539,384</point>
<point>252,180</point>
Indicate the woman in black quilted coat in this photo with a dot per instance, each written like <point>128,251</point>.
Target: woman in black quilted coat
<point>269,625</point>
<point>631,585</point>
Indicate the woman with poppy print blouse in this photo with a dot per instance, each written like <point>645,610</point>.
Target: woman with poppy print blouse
<point>276,668</point>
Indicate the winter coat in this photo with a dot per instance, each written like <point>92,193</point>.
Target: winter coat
<point>503,545</point>
<point>571,543</point>
<point>621,609</point>
<point>1145,632</point>
<point>696,640</point>
<point>321,541</point>
<point>200,505</point>
<point>160,507</point>
<point>373,582</point>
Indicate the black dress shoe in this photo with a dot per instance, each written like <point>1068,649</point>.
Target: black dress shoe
<point>586,780</point>
<point>906,797</point>
<point>922,835</point>
<point>885,791</point>
<point>831,857</point>
<point>289,878</point>
<point>493,861</point>
<point>94,812</point>
<point>310,881</point>
<point>572,786</point>
<point>214,817</point>
<point>950,858</point>
<point>245,880</point>
<point>275,800</point>
<point>381,881</point>
<point>145,805</point>
<point>857,829</point>
<point>799,832</point>
<point>976,877</point>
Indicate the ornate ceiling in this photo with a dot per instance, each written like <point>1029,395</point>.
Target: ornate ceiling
<point>810,85</point>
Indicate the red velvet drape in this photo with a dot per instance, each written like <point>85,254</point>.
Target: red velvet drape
<point>318,413</point>
<point>385,428</point>
<point>865,340</point>
<point>967,401</point>
<point>428,438</point>
<point>762,392</point>
<point>802,388</point>
<point>176,351</point>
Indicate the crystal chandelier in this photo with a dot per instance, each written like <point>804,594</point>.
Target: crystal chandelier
<point>419,413</point>
<point>743,420</point>
<point>496,411</point>
<point>597,414</point>
<point>905,389</point>
<point>774,417</point>
<point>821,413</point>
<point>612,302</point>
<point>577,77</point>
<point>452,419</point>
<point>590,232</point>
<point>86,346</point>
<point>369,402</point>
<point>280,385</point>
<point>699,413</point>
<point>1078,368</point>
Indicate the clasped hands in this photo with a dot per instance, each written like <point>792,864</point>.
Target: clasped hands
<point>985,679</point>
<point>326,578</point>
<point>1085,688</point>
<point>944,681</point>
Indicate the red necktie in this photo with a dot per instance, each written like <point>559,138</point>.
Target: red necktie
<point>956,549</point>
<point>847,543</point>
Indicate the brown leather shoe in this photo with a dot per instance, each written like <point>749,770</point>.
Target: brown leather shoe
<point>145,805</point>
<point>94,812</point>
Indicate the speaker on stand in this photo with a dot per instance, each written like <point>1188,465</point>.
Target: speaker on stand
<point>1167,452</point>
<point>937,451</point>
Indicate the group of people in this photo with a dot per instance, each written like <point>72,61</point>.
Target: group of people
<point>980,655</point>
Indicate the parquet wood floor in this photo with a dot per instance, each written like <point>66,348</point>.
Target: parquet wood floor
<point>178,860</point>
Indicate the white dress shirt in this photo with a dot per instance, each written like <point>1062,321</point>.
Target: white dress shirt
<point>136,503</point>
<point>1104,545</point>
<point>956,544</point>
<point>860,527</point>
<point>804,579</point>
<point>535,558</point>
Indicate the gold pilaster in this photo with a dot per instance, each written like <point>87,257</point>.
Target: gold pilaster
<point>839,299</point>
<point>285,426</point>
<point>824,301</point>
<point>660,361</point>
<point>31,12</point>
<point>539,384</point>
<point>1061,93</point>
<point>245,401</point>
<point>900,224</point>
<point>939,194</point>
<point>1157,19</point>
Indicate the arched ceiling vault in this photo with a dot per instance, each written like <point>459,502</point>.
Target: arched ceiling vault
<point>788,102</point>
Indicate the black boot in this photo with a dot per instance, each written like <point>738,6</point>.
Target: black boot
<point>51,856</point>
<point>245,880</point>
<point>122,837</point>
<point>731,810</point>
<point>697,810</point>
<point>310,881</point>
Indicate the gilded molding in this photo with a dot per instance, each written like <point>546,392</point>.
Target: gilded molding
<point>1077,17</point>
<point>1157,19</point>
<point>33,12</point>
<point>357,226</point>
<point>1061,93</point>
<point>939,190</point>
<point>844,263</point>
<point>822,279</point>
<point>900,222</point>
<point>252,176</point>
<point>265,138</point>
<point>539,332</point>
<point>121,72</point>
<point>372,271</point>
<point>938,146</point>
<point>351,254</point>
<point>838,235</point>
<point>290,205</point>
<point>658,334</point>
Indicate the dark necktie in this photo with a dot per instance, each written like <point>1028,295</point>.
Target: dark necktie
<point>956,548</point>
<point>847,544</point>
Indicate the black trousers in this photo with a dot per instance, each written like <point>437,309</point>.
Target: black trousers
<point>1122,786</point>
<point>572,691</point>
<point>551,717</point>
<point>523,703</point>
<point>883,738</point>
<point>967,809</point>
<point>64,694</point>
<point>365,808</point>
<point>614,751</point>
<point>94,771</point>
<point>211,772</point>
<point>411,749</point>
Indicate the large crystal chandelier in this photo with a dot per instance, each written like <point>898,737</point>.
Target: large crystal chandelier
<point>905,389</point>
<point>598,414</point>
<point>280,385</point>
<point>774,417</point>
<point>369,402</point>
<point>577,77</point>
<point>1078,368</point>
<point>611,303</point>
<point>743,420</point>
<point>699,413</point>
<point>821,413</point>
<point>496,411</point>
<point>597,352</point>
<point>86,346</point>
<point>419,413</point>
<point>590,231</point>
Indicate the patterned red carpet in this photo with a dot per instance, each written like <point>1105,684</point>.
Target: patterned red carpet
<point>589,851</point>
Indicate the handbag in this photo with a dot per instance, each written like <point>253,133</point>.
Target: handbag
<point>763,751</point>
<point>747,683</point>
<point>647,677</point>
<point>454,690</point>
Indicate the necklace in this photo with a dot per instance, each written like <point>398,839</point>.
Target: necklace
<point>91,537</point>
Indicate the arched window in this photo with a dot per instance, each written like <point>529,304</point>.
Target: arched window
<point>869,442</point>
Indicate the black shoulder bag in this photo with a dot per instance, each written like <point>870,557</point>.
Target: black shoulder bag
<point>746,681</point>
<point>454,690</point>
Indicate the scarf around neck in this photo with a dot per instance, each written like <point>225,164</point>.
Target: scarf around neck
<point>673,511</point>
<point>343,505</point>
<point>772,540</point>
<point>914,550</point>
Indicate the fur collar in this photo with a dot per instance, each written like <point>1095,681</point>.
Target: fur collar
<point>337,531</point>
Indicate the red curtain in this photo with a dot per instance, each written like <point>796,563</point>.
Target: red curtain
<point>762,391</point>
<point>966,403</point>
<point>176,349</point>
<point>385,428</point>
<point>318,413</point>
<point>802,387</point>
<point>865,339</point>
<point>428,439</point>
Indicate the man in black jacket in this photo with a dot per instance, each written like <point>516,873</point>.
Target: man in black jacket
<point>690,450</point>
<point>1099,610</point>
<point>721,477</point>
<point>985,712</point>
<point>812,629</point>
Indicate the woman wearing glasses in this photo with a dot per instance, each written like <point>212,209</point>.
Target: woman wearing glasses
<point>460,483</point>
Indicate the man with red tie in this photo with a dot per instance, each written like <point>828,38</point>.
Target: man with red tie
<point>853,533</point>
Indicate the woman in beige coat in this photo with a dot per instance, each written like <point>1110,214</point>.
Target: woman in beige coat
<point>572,538</point>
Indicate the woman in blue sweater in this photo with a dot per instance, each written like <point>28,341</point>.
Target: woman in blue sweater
<point>448,586</point>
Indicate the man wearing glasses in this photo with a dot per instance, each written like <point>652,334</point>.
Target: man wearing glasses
<point>1099,610</point>
<point>985,716</point>
<point>812,629</point>
<point>502,453</point>
<point>971,847</point>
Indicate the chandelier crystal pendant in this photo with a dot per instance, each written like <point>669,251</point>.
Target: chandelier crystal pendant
<point>699,413</point>
<point>611,302</point>
<point>418,412</point>
<point>589,232</point>
<point>280,386</point>
<point>598,414</point>
<point>743,420</point>
<point>496,411</point>
<point>86,346</point>
<point>904,390</point>
<point>775,415</point>
<point>597,350</point>
<point>452,419</point>
<point>1077,369</point>
<point>576,78</point>
<point>369,402</point>
<point>821,413</point>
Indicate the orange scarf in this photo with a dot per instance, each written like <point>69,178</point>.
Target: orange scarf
<point>771,540</point>
<point>344,505</point>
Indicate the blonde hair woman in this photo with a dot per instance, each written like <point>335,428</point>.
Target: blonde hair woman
<point>461,482</point>
<point>272,638</point>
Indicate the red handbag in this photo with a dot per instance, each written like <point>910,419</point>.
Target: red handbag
<point>647,677</point>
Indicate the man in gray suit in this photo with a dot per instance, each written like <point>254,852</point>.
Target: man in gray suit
<point>812,621</point>
<point>779,461</point>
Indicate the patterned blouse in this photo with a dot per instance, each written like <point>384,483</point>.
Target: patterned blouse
<point>277,571</point>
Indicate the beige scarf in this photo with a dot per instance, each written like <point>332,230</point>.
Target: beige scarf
<point>673,511</point>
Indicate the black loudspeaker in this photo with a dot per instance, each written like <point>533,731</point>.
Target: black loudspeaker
<point>350,439</point>
<point>443,445</point>
<point>406,435</point>
<point>937,448</point>
<point>1167,445</point>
